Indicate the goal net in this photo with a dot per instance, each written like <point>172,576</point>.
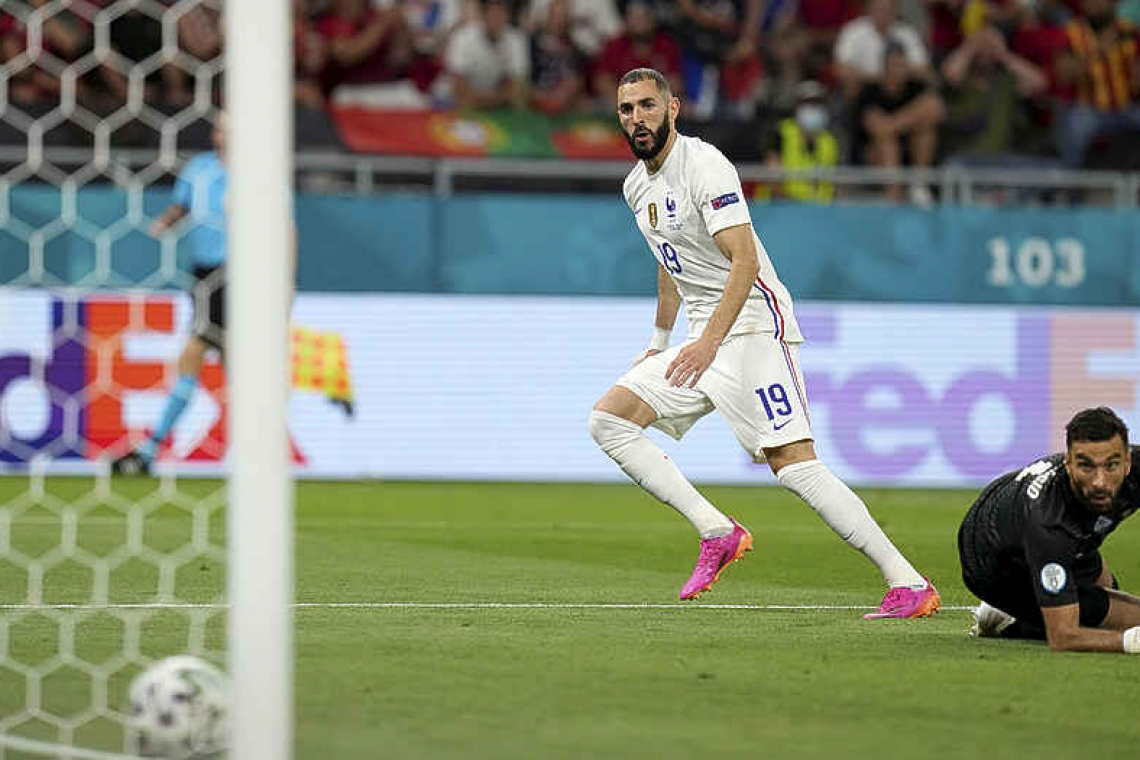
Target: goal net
<point>102,103</point>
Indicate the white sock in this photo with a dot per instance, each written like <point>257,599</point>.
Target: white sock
<point>847,515</point>
<point>652,469</point>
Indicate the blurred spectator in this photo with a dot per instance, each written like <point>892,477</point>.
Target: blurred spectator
<point>487,61</point>
<point>200,31</point>
<point>20,87</point>
<point>951,21</point>
<point>591,22</point>
<point>824,18</point>
<point>557,68</point>
<point>666,12</point>
<point>860,46</point>
<point>803,141</point>
<point>1102,63</point>
<point>1040,37</point>
<point>783,48</point>
<point>431,22</point>
<point>945,33</point>
<point>11,36</point>
<point>986,89</point>
<point>65,36</point>
<point>642,44</point>
<point>136,36</point>
<point>309,56</point>
<point>800,38</point>
<point>200,35</point>
<point>897,119</point>
<point>723,68</point>
<point>365,44</point>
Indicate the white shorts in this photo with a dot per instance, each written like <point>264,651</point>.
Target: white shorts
<point>755,382</point>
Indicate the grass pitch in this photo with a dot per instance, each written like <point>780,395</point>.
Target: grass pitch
<point>541,621</point>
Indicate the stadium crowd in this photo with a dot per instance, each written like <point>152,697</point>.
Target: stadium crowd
<point>1005,83</point>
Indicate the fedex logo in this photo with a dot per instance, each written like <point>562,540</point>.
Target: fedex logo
<point>84,377</point>
<point>65,373</point>
<point>41,374</point>
<point>984,400</point>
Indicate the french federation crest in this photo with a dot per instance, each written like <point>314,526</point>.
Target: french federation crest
<point>671,220</point>
<point>653,215</point>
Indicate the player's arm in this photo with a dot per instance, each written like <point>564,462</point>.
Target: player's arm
<point>1050,553</point>
<point>668,304</point>
<point>352,49</point>
<point>1106,579</point>
<point>1065,633</point>
<point>668,301</point>
<point>738,246</point>
<point>851,79</point>
<point>173,214</point>
<point>180,198</point>
<point>1071,67</point>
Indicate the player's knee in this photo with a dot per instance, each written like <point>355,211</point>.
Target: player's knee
<point>610,432</point>
<point>797,452</point>
<point>602,427</point>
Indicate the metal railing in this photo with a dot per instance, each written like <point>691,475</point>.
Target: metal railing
<point>369,174</point>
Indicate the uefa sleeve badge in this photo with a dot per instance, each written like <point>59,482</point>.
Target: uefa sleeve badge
<point>1053,578</point>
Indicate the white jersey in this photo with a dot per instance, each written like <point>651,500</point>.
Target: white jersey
<point>693,196</point>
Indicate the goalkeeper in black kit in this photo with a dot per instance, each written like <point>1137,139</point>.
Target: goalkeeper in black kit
<point>1030,544</point>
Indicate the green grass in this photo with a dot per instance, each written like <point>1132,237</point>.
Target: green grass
<point>581,682</point>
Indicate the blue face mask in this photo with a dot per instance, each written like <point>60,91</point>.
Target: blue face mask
<point>812,118</point>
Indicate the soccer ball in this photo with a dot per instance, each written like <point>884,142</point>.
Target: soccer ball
<point>178,709</point>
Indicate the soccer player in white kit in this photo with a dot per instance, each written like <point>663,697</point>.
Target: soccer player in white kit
<point>740,357</point>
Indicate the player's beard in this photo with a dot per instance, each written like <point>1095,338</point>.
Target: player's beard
<point>1086,496</point>
<point>660,137</point>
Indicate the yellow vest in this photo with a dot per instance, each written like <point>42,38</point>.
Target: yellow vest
<point>795,155</point>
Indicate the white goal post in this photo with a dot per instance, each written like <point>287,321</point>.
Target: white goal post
<point>258,95</point>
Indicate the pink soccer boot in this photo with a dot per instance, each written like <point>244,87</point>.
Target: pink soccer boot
<point>903,602</point>
<point>716,555</point>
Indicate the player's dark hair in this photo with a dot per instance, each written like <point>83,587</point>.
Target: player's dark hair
<point>1099,424</point>
<point>640,75</point>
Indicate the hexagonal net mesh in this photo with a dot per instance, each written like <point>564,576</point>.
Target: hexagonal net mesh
<point>103,102</point>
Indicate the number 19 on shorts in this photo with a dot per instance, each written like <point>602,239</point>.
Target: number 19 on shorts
<point>774,399</point>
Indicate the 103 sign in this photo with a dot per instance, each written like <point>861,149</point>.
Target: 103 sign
<point>1036,263</point>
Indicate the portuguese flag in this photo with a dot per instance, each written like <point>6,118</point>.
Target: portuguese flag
<point>486,133</point>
